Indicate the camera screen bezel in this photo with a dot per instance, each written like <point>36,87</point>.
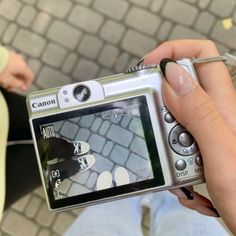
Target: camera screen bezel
<point>158,179</point>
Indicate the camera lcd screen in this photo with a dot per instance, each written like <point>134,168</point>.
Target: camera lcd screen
<point>98,152</point>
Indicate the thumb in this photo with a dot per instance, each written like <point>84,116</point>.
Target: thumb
<point>195,110</point>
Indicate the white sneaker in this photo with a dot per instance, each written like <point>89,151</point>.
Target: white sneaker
<point>121,176</point>
<point>104,180</point>
<point>80,148</point>
<point>86,162</point>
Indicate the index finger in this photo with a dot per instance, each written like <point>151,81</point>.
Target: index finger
<point>212,76</point>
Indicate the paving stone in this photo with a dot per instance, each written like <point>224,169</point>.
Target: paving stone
<point>77,189</point>
<point>66,185</point>
<point>90,46</point>
<point>69,63</point>
<point>35,65</point>
<point>113,9</point>
<point>7,10</point>
<point>172,11</point>
<point>86,19</point>
<point>96,142</point>
<point>29,1</point>
<point>139,147</point>
<point>40,192</point>
<point>104,127</point>
<point>141,3</point>
<point>105,72</point>
<point>102,164</point>
<point>142,20</point>
<point>21,203</point>
<point>222,8</point>
<point>11,224</point>
<point>41,23</point>
<point>116,117</point>
<point>58,9</point>
<point>64,34</point>
<point>77,211</point>
<point>54,55</point>
<point>191,1</point>
<point>224,36</point>
<point>62,222</point>
<point>83,134</point>
<point>164,30</point>
<point>107,148</point>
<point>181,32</point>
<point>119,154</point>
<point>44,216</point>
<point>26,16</point>
<point>81,178</point>
<point>143,44</point>
<point>69,130</point>
<point>156,5</point>
<point>85,2</point>
<point>92,180</point>
<point>3,25</point>
<point>122,62</point>
<point>33,206</point>
<point>29,43</point>
<point>49,78</point>
<point>85,70</point>
<point>204,22</point>
<point>9,33</point>
<point>44,232</point>
<point>108,56</point>
<point>87,121</point>
<point>125,121</point>
<point>96,124</point>
<point>136,127</point>
<point>119,135</point>
<point>203,4</point>
<point>137,163</point>
<point>112,31</point>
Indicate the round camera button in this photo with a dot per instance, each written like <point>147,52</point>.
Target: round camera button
<point>66,100</point>
<point>82,93</point>
<point>185,139</point>
<point>199,161</point>
<point>65,92</point>
<point>169,118</point>
<point>180,164</point>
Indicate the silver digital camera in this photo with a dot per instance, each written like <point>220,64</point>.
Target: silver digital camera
<point>110,138</point>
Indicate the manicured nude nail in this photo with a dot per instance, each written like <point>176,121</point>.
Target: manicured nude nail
<point>209,211</point>
<point>178,78</point>
<point>163,64</point>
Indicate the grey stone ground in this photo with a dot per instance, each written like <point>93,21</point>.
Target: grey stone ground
<point>66,41</point>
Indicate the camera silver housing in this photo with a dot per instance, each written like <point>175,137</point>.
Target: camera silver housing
<point>179,155</point>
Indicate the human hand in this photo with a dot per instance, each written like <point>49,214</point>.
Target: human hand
<point>17,75</point>
<point>208,112</point>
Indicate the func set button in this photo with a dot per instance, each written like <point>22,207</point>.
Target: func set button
<point>199,161</point>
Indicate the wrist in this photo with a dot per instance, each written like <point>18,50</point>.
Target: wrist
<point>4,58</point>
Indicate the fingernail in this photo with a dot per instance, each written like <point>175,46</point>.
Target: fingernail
<point>183,193</point>
<point>163,64</point>
<point>209,211</point>
<point>179,79</point>
<point>187,193</point>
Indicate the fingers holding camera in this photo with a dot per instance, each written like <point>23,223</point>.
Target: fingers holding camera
<point>191,199</point>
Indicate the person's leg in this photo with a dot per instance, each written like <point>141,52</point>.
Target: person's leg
<point>118,218</point>
<point>22,174</point>
<point>19,122</point>
<point>169,218</point>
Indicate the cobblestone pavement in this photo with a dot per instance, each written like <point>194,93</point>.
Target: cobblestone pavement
<point>66,41</point>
